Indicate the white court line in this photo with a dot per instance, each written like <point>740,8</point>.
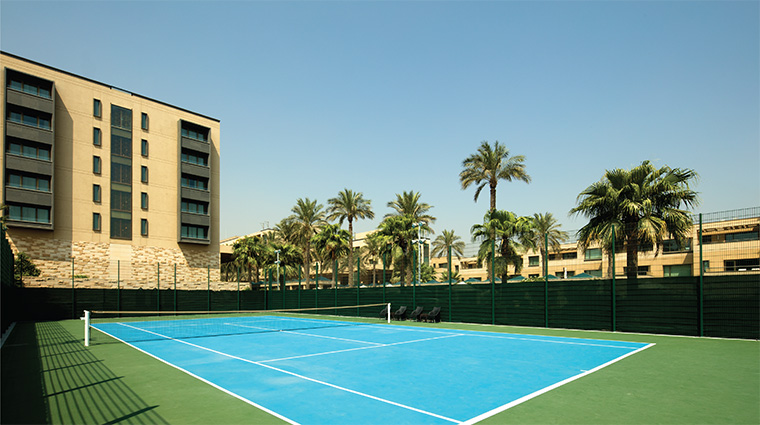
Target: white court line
<point>300,333</point>
<point>485,334</point>
<point>549,388</point>
<point>360,348</point>
<point>292,374</point>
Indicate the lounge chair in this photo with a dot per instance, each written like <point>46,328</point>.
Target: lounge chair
<point>384,312</point>
<point>433,316</point>
<point>416,314</point>
<point>400,314</point>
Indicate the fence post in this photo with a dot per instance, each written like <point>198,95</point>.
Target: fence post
<point>414,278</point>
<point>546,283</point>
<point>335,285</point>
<point>175,287</point>
<point>300,270</point>
<point>118,285</point>
<point>449,283</point>
<point>701,283</point>
<point>238,284</point>
<point>208,287</point>
<point>614,298</point>
<point>73,293</point>
<point>358,282</point>
<point>158,287</point>
<point>493,281</point>
<point>316,290</point>
<point>384,253</point>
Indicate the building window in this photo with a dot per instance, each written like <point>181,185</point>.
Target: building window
<point>194,207</point>
<point>743,236</point>
<point>96,193</point>
<point>194,132</point>
<point>144,200</point>
<point>144,174</point>
<point>194,232</point>
<point>96,222</point>
<point>593,254</point>
<point>97,108</point>
<point>36,88</point>
<point>29,213</point>
<point>121,173</point>
<point>96,165</point>
<point>96,138</point>
<point>533,261</point>
<point>194,157</point>
<point>676,270</point>
<point>672,246</point>
<point>749,264</point>
<point>30,118</point>
<point>569,255</point>
<point>194,182</point>
<point>594,273</point>
<point>29,182</point>
<point>144,227</point>
<point>707,239</point>
<point>642,271</point>
<point>144,121</point>
<point>705,266</point>
<point>28,150</point>
<point>144,148</point>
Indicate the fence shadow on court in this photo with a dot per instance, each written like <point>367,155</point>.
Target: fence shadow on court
<point>68,384</point>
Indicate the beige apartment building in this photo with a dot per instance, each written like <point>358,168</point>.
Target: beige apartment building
<point>730,246</point>
<point>113,182</point>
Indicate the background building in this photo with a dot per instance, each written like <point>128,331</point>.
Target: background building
<point>119,183</point>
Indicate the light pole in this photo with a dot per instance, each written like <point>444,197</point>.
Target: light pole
<point>419,241</point>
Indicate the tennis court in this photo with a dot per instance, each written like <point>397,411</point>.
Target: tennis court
<point>329,370</point>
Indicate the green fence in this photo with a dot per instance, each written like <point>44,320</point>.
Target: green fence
<point>728,306</point>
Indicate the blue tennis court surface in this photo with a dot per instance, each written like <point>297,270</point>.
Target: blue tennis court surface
<point>375,373</point>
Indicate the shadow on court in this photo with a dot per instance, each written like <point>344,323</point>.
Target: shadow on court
<point>48,377</point>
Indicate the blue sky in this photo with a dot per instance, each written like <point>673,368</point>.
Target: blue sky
<point>383,97</point>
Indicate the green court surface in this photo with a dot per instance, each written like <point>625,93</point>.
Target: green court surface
<point>48,376</point>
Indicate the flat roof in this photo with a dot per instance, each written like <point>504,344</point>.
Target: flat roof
<point>106,85</point>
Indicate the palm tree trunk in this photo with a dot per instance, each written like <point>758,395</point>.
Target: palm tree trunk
<point>492,187</point>
<point>632,253</point>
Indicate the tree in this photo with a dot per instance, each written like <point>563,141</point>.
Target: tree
<point>349,205</point>
<point>546,229</point>
<point>400,231</point>
<point>447,240</point>
<point>373,249</point>
<point>23,266</point>
<point>332,242</point>
<point>509,232</point>
<point>488,166</point>
<point>644,204</point>
<point>248,252</point>
<point>306,221</point>
<point>409,204</point>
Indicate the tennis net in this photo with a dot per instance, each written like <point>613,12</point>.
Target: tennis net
<point>135,326</point>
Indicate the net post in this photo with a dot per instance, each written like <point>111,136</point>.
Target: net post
<point>86,328</point>
<point>389,312</point>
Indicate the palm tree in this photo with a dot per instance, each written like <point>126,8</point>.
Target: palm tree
<point>373,251</point>
<point>643,204</point>
<point>509,232</point>
<point>409,204</point>
<point>447,240</point>
<point>349,205</point>
<point>306,221</point>
<point>400,231</point>
<point>249,252</point>
<point>546,230</point>
<point>332,243</point>
<point>490,165</point>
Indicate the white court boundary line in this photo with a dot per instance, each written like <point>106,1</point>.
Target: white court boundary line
<point>281,371</point>
<point>445,335</point>
<point>549,388</point>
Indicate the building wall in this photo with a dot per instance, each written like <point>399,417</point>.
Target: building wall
<point>73,179</point>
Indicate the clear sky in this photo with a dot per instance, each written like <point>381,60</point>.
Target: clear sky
<point>383,97</point>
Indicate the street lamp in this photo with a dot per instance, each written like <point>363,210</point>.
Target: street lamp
<point>419,241</point>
